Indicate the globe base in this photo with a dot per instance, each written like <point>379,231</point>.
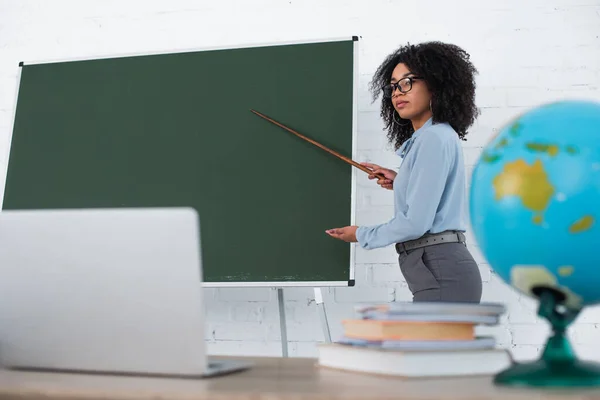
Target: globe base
<point>542,373</point>
<point>558,365</point>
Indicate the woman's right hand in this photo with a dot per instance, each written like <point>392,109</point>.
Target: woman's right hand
<point>388,182</point>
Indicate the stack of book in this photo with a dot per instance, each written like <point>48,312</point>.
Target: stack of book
<point>418,340</point>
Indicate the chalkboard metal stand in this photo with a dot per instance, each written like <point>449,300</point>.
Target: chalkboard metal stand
<point>322,314</point>
<point>282,324</point>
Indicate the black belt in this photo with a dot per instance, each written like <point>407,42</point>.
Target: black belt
<point>431,239</point>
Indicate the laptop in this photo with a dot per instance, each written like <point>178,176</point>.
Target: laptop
<point>115,291</point>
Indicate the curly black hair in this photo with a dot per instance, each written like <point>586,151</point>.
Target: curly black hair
<point>450,77</point>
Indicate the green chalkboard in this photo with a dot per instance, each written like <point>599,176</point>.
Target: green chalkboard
<point>176,129</point>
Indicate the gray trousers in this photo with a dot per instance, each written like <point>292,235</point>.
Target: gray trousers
<point>442,272</point>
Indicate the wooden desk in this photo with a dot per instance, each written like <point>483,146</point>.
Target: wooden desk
<point>270,378</point>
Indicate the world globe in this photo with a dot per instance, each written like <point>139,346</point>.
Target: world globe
<point>535,202</point>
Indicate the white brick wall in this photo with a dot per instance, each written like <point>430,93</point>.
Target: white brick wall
<point>527,52</point>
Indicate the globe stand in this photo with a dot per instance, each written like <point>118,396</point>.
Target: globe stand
<point>558,365</point>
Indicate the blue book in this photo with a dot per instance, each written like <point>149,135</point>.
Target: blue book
<point>479,343</point>
<point>391,316</point>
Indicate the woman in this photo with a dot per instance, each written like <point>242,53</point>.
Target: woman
<point>428,104</point>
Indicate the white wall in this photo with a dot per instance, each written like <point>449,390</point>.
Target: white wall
<point>527,52</point>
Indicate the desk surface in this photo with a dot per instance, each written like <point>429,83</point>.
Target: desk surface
<point>272,378</point>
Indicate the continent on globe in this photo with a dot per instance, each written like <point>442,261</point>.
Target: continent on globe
<point>490,158</point>
<point>571,150</point>
<point>528,182</point>
<point>582,224</point>
<point>527,278</point>
<point>515,129</point>
<point>502,143</point>
<point>550,149</point>
<point>566,270</point>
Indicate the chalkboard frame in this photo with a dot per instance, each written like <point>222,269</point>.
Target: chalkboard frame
<point>353,175</point>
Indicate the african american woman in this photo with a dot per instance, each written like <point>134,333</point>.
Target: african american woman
<point>428,104</point>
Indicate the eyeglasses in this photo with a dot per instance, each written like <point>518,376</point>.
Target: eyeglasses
<point>404,85</point>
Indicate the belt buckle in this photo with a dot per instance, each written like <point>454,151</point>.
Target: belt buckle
<point>400,248</point>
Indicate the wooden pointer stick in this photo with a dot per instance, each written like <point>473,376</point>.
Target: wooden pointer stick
<point>346,159</point>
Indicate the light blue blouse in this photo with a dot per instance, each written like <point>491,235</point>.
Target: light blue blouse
<point>429,190</point>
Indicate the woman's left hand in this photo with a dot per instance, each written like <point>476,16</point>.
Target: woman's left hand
<point>347,233</point>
